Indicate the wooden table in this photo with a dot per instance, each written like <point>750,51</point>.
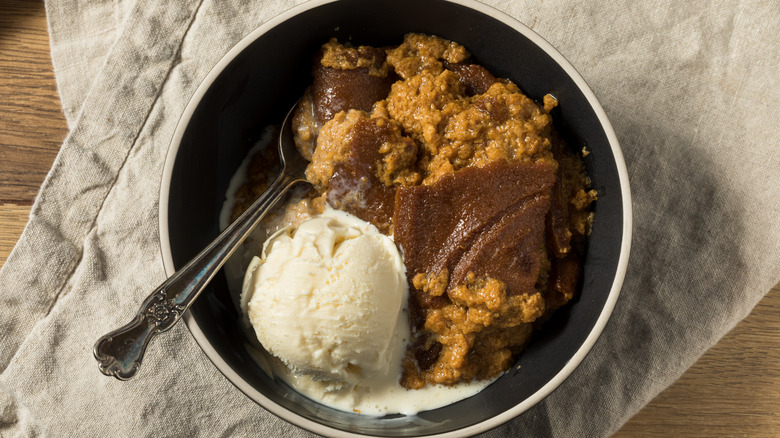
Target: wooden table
<point>733,390</point>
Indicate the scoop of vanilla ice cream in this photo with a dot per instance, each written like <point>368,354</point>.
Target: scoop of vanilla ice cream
<point>325,297</point>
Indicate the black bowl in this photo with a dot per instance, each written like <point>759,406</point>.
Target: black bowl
<point>264,74</point>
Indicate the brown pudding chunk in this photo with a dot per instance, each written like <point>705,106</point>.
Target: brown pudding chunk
<point>567,223</point>
<point>349,78</point>
<point>562,283</point>
<point>359,159</point>
<point>475,220</point>
<point>475,78</point>
<point>479,225</point>
<point>558,234</point>
<point>344,78</point>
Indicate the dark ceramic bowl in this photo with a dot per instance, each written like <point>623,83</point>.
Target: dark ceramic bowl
<point>265,73</point>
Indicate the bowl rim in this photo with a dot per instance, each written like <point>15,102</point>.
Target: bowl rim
<point>489,423</point>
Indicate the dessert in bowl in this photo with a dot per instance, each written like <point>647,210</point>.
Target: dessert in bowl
<point>268,71</point>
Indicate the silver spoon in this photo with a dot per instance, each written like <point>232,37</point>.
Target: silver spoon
<point>121,351</point>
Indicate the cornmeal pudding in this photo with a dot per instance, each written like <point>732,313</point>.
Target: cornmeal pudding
<point>467,175</point>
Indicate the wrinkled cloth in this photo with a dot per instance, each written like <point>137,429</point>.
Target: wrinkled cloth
<point>691,89</point>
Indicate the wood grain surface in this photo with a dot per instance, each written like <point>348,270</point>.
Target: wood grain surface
<point>32,125</point>
<point>733,390</point>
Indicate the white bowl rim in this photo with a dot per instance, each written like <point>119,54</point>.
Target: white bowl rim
<point>489,423</point>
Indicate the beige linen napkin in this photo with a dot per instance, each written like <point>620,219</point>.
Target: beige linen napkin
<point>691,88</point>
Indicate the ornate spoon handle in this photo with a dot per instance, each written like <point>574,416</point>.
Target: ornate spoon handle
<point>121,351</point>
